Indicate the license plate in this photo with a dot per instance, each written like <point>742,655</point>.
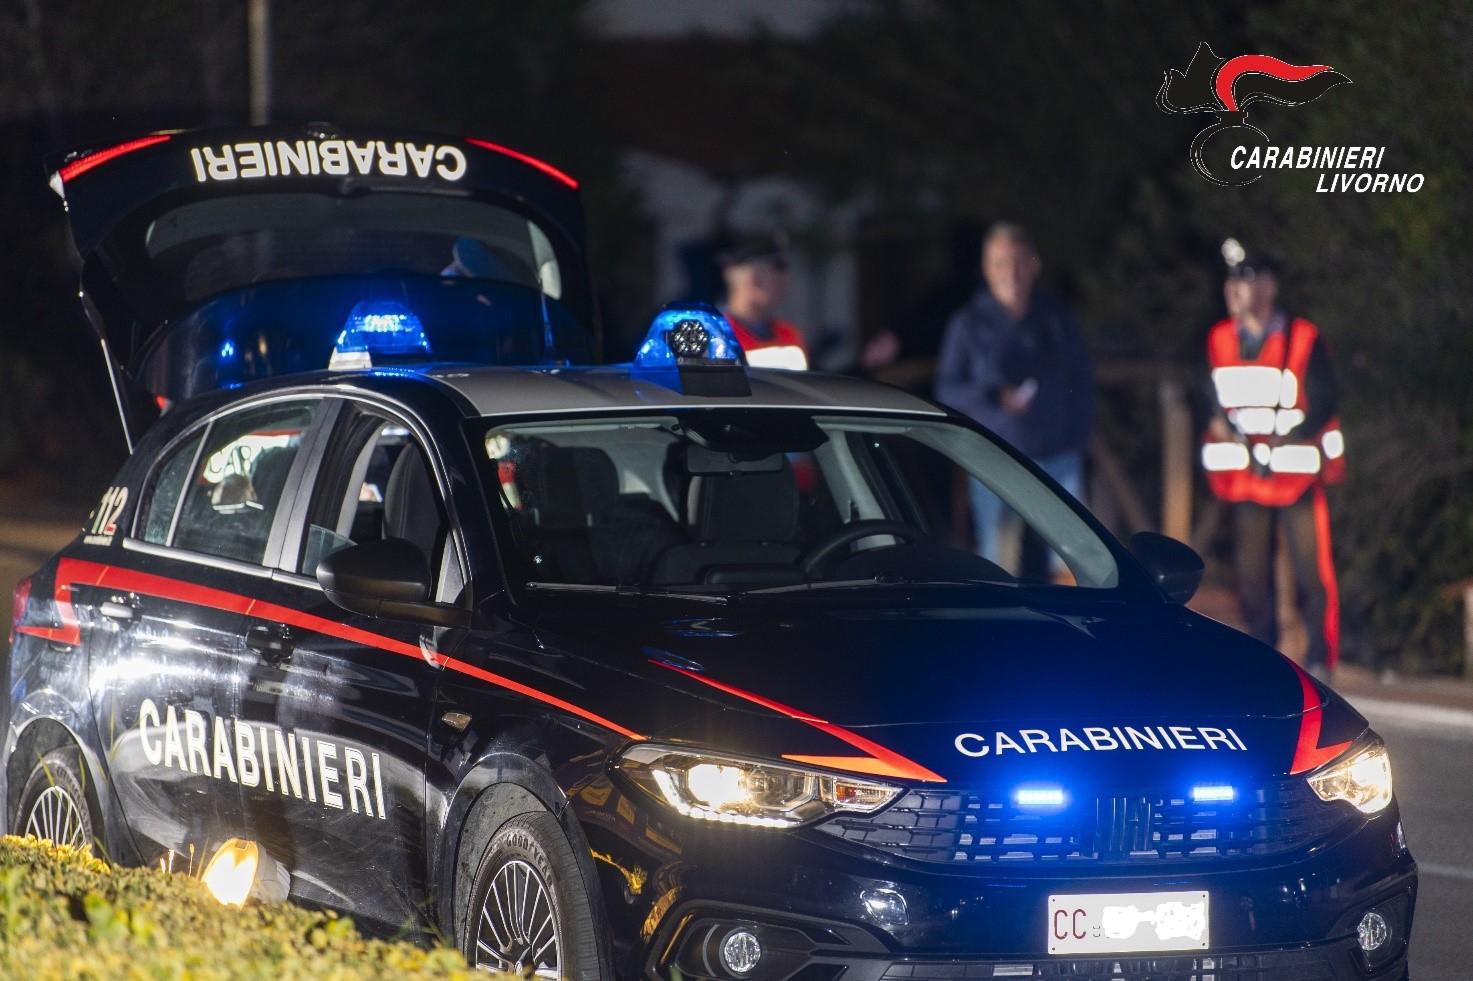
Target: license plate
<point>1127,922</point>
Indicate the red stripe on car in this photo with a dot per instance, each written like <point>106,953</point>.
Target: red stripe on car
<point>877,759</point>
<point>1308,753</point>
<point>81,165</point>
<point>80,572</point>
<point>525,158</point>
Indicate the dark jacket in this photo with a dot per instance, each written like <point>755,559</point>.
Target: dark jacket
<point>985,350</point>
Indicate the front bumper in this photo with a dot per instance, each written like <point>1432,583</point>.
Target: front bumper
<point>823,910</point>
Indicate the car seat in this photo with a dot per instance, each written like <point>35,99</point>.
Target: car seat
<point>745,526</point>
<point>411,506</point>
<point>586,528</point>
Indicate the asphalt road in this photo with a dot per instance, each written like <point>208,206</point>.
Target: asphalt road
<point>1432,765</point>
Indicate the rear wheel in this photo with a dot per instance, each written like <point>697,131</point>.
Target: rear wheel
<point>530,912</point>
<point>53,803</point>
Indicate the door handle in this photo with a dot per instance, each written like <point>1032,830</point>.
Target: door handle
<point>272,641</point>
<point>115,611</point>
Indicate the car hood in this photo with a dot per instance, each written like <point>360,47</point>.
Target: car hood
<point>957,690</point>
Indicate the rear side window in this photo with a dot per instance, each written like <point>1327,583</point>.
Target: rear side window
<point>236,485</point>
<point>168,486</point>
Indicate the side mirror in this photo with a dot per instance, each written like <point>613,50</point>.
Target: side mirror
<point>1174,566</point>
<point>387,578</point>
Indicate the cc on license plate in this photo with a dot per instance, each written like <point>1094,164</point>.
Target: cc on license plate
<point>1127,922</point>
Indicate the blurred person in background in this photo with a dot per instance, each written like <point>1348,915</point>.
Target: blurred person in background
<point>1013,359</point>
<point>755,269</point>
<point>1272,445</point>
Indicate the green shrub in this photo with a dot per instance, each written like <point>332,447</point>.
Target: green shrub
<point>65,914</point>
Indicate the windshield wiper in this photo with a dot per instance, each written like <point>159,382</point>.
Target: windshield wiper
<point>588,587</point>
<point>880,580</point>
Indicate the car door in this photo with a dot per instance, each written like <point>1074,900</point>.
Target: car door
<point>167,696</point>
<point>347,698</point>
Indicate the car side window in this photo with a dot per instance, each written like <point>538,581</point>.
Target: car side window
<point>167,488</point>
<point>375,482</point>
<point>237,484</point>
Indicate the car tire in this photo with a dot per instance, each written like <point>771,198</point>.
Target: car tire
<point>530,909</point>
<point>53,802</point>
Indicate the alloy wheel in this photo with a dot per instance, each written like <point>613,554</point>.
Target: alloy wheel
<point>56,817</point>
<point>518,927</point>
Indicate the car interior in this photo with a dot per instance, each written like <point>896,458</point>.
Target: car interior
<point>375,483</point>
<point>661,507</point>
<point>238,483</point>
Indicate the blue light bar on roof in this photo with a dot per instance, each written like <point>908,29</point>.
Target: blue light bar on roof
<point>384,328</point>
<point>689,333</point>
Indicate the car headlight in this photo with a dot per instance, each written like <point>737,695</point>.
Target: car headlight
<point>756,793</point>
<point>1362,777</point>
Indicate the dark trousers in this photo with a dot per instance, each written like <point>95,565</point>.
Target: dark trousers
<point>1306,530</point>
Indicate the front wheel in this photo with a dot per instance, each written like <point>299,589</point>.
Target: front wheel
<point>53,803</point>
<point>530,911</point>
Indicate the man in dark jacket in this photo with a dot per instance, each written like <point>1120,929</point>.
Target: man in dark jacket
<point>1014,360</point>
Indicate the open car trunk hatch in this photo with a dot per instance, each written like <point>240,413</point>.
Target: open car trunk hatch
<point>210,259</point>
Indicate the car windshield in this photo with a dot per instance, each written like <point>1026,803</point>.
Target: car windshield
<point>721,501</point>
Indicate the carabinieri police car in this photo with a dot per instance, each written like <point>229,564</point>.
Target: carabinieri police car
<point>653,670</point>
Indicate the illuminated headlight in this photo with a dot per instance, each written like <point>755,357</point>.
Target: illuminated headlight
<point>1362,777</point>
<point>755,793</point>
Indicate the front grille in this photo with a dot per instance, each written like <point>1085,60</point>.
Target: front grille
<point>1309,964</point>
<point>960,828</point>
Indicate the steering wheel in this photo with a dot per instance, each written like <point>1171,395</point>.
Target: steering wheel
<point>821,551</point>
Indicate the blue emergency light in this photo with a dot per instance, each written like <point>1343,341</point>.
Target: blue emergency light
<point>1040,797</point>
<point>1213,793</point>
<point>379,328</point>
<point>689,334</point>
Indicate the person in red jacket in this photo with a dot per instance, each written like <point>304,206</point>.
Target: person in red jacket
<point>1273,443</point>
<point>756,274</point>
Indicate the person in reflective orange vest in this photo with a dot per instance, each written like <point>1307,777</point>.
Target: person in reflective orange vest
<point>1273,443</point>
<point>756,274</point>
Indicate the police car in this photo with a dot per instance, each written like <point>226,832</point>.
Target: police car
<point>652,670</point>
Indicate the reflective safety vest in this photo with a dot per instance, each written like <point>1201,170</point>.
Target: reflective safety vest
<point>1264,399</point>
<point>784,349</point>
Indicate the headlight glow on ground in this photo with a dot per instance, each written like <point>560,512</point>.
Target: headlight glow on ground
<point>241,870</point>
<point>231,871</point>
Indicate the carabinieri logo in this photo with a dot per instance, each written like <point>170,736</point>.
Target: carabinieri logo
<point>1222,152</point>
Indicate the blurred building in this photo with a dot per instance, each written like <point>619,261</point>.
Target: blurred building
<point>703,154</point>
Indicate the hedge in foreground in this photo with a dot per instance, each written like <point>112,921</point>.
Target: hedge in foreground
<point>65,914</point>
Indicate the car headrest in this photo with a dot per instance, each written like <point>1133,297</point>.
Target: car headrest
<point>411,510</point>
<point>575,484</point>
<point>268,473</point>
<point>749,507</point>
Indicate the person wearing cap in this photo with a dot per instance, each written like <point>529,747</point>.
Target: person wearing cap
<point>1272,445</point>
<point>1014,359</point>
<point>756,273</point>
